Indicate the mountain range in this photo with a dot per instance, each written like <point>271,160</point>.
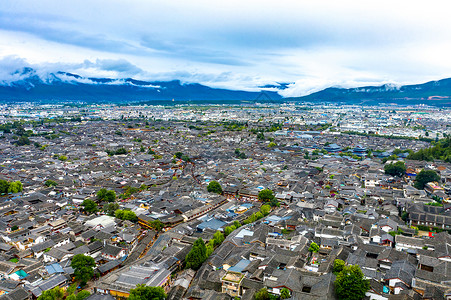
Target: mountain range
<point>431,93</point>
<point>67,87</point>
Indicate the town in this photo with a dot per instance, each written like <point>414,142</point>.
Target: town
<point>257,201</point>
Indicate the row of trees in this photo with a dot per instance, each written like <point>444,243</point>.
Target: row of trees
<point>229,229</point>
<point>422,178</point>
<point>195,258</point>
<point>58,293</point>
<point>264,211</point>
<point>441,150</point>
<point>10,186</point>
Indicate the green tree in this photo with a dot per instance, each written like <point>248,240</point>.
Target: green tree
<point>130,216</point>
<point>424,177</point>
<point>229,229</point>
<point>274,202</point>
<point>391,157</point>
<point>405,216</point>
<point>15,187</point>
<point>106,195</point>
<point>23,140</point>
<point>101,193</point>
<point>54,294</point>
<point>157,225</point>
<point>119,214</point>
<point>4,185</point>
<point>395,169</point>
<point>218,237</point>
<point>83,268</point>
<point>197,255</point>
<point>313,247</point>
<point>285,293</point>
<point>266,195</point>
<point>262,294</point>
<point>110,196</point>
<point>142,292</point>
<point>79,296</point>
<point>237,224</point>
<point>351,284</point>
<point>272,144</point>
<point>62,157</point>
<point>265,209</point>
<point>210,247</point>
<point>121,151</point>
<point>214,187</point>
<point>338,266</point>
<point>126,215</point>
<point>89,206</point>
<point>111,208</point>
<point>71,289</point>
<point>50,183</point>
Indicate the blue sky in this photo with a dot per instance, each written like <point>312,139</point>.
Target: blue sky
<point>231,44</point>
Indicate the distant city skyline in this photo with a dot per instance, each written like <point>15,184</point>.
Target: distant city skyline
<point>231,44</point>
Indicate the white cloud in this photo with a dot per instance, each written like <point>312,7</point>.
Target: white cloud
<point>233,44</point>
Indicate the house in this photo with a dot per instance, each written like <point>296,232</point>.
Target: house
<point>101,222</point>
<point>403,243</point>
<point>119,284</point>
<point>213,224</point>
<point>57,255</point>
<point>331,206</point>
<point>18,293</point>
<point>387,225</point>
<point>111,252</point>
<point>377,291</point>
<point>231,283</point>
<point>400,276</point>
<point>39,249</point>
<point>50,283</point>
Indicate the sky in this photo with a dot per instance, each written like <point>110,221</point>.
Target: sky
<point>231,44</point>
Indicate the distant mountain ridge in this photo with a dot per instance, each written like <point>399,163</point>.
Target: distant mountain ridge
<point>432,92</point>
<point>63,86</point>
<point>69,87</point>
